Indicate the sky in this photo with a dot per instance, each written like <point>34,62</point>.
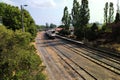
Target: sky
<point>51,11</point>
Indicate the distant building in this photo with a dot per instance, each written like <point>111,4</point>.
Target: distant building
<point>58,30</point>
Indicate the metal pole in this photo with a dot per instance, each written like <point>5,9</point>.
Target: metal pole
<point>0,20</point>
<point>84,36</point>
<point>22,18</point>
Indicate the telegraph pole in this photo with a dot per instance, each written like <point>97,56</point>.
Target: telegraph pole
<point>22,17</point>
<point>0,20</point>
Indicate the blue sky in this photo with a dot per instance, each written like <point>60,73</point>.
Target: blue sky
<point>51,11</point>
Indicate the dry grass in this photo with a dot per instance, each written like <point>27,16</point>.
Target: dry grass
<point>113,46</point>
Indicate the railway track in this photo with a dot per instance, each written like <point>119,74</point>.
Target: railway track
<point>54,71</point>
<point>82,63</point>
<point>115,68</point>
<point>74,66</point>
<point>109,63</point>
<point>91,58</point>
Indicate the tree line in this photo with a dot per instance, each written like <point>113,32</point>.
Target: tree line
<point>79,18</point>
<point>18,58</point>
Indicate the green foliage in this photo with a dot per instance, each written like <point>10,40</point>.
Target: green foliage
<point>64,32</point>
<point>108,18</point>
<point>116,32</point>
<point>104,27</point>
<point>80,17</point>
<point>47,25</point>
<point>75,14</point>
<point>106,13</point>
<point>79,33</point>
<point>40,27</point>
<point>40,76</point>
<point>111,13</point>
<point>84,13</point>
<point>18,60</point>
<point>66,18</point>
<point>94,27</point>
<point>61,26</point>
<point>92,32</point>
<point>11,17</point>
<point>117,18</point>
<point>52,25</point>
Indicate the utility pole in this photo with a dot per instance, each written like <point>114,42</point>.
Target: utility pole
<point>0,20</point>
<point>22,17</point>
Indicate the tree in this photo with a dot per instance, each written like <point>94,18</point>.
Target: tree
<point>117,18</point>
<point>84,13</point>
<point>11,17</point>
<point>76,19</point>
<point>18,59</point>
<point>84,16</point>
<point>106,13</point>
<point>66,18</point>
<point>47,25</point>
<point>92,32</point>
<point>108,18</point>
<point>111,12</point>
<point>94,27</point>
<point>52,25</point>
<point>75,14</point>
<point>80,17</point>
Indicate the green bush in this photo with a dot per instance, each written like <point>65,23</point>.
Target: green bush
<point>18,60</point>
<point>64,32</point>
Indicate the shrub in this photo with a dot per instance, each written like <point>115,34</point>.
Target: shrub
<point>18,60</point>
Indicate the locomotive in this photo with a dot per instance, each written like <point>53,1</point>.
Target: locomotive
<point>51,33</point>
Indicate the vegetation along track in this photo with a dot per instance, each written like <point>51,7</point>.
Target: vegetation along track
<point>96,57</point>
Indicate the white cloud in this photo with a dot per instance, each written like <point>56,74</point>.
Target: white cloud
<point>8,2</point>
<point>41,3</point>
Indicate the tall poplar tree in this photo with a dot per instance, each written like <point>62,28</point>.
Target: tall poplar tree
<point>80,16</point>
<point>75,14</point>
<point>66,18</point>
<point>85,17</point>
<point>111,13</point>
<point>106,13</point>
<point>76,18</point>
<point>84,13</point>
